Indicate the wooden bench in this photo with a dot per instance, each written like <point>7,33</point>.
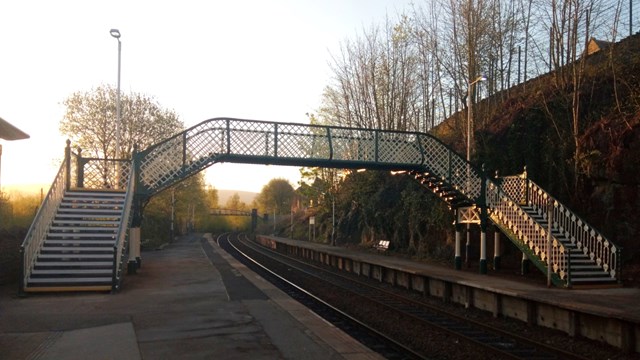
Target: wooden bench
<point>382,245</point>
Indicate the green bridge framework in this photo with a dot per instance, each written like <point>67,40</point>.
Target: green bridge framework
<point>556,240</point>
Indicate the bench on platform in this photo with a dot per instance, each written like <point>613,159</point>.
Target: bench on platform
<point>382,245</point>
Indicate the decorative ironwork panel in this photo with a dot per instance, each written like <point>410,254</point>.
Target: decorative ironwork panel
<point>468,215</point>
<point>353,144</point>
<point>103,174</point>
<point>303,142</point>
<point>251,138</point>
<point>451,167</point>
<point>162,164</point>
<point>204,142</point>
<point>515,187</point>
<point>398,148</point>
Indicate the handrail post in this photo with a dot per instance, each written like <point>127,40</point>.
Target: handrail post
<point>375,145</point>
<point>275,140</point>
<point>67,171</point>
<point>228,136</point>
<point>80,170</point>
<point>550,225</point>
<point>526,185</point>
<point>568,268</point>
<point>330,143</point>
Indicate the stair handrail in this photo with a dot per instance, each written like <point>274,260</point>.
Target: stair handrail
<point>30,247</point>
<point>585,237</point>
<point>120,248</point>
<point>507,213</point>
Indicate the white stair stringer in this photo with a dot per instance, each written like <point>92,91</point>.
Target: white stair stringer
<point>78,251</point>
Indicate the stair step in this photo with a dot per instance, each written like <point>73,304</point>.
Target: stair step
<point>592,279</point>
<point>78,229</point>
<point>94,195</point>
<point>78,242</point>
<point>90,206</point>
<point>85,235</point>
<point>85,222</point>
<point>71,271</point>
<point>74,256</point>
<point>114,215</point>
<point>78,248</point>
<point>588,273</point>
<point>50,264</point>
<point>59,281</point>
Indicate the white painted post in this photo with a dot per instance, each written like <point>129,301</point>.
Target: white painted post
<point>458,257</point>
<point>549,227</point>
<point>483,251</point>
<point>496,249</point>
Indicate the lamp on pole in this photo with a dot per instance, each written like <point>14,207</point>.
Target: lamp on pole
<point>116,34</point>
<point>469,142</point>
<point>470,113</point>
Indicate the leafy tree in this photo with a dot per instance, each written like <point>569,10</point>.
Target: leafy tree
<point>234,203</point>
<point>276,195</point>
<point>90,119</point>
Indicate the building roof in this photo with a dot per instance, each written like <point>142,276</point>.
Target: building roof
<point>10,132</point>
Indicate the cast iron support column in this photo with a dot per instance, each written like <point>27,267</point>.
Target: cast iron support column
<point>524,266</point>
<point>457,261</point>
<point>135,260</point>
<point>483,223</point>
<point>496,249</point>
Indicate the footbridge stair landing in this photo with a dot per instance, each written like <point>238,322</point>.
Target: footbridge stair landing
<point>550,235</point>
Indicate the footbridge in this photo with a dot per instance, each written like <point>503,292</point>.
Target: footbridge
<point>87,230</point>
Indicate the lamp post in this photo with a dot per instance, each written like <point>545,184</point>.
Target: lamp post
<point>469,137</point>
<point>116,34</point>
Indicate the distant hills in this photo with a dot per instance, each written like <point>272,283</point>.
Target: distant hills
<point>246,197</point>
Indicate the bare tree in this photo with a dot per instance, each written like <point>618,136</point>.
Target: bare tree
<point>90,117</point>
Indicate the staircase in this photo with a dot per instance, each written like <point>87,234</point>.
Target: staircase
<point>78,251</point>
<point>584,269</point>
<point>580,256</point>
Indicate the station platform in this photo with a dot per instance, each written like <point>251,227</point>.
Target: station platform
<point>610,315</point>
<point>190,300</point>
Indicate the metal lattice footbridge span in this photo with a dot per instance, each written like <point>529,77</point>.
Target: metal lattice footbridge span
<point>545,230</point>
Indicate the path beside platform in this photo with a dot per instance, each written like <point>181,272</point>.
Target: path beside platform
<point>189,300</point>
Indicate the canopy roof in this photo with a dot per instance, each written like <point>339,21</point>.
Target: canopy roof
<point>10,132</point>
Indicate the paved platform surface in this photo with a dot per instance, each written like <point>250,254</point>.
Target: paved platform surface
<point>619,303</point>
<point>189,301</point>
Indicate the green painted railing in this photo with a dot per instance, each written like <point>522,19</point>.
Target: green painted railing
<point>261,142</point>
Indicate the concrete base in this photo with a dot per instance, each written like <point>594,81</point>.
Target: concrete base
<point>524,267</point>
<point>483,266</point>
<point>457,262</point>
<point>132,266</point>
<point>496,262</point>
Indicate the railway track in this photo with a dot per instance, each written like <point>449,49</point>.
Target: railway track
<point>399,307</point>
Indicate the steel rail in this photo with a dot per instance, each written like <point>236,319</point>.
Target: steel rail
<point>272,275</point>
<point>489,337</point>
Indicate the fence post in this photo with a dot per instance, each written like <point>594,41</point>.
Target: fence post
<point>67,161</point>
<point>80,169</point>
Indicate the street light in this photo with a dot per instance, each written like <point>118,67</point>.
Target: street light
<point>116,34</point>
<point>469,137</point>
<point>470,113</point>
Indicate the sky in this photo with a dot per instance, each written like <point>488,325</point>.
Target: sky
<point>251,59</point>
